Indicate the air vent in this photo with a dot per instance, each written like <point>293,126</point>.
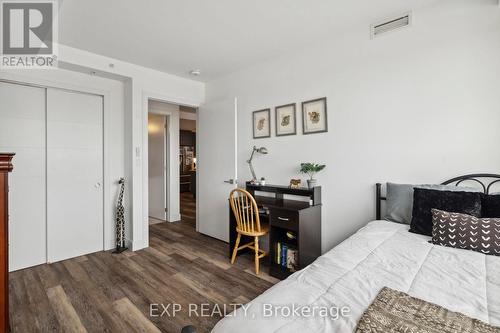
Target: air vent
<point>391,25</point>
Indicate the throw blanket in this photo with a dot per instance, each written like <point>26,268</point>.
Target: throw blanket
<point>394,311</point>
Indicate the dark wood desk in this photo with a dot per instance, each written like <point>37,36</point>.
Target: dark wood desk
<point>302,218</point>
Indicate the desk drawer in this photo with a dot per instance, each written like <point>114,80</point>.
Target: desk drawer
<point>284,219</point>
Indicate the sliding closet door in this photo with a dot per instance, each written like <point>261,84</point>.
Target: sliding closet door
<point>22,131</point>
<point>74,174</point>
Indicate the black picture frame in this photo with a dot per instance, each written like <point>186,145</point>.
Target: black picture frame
<point>268,111</point>
<point>304,117</point>
<point>277,122</point>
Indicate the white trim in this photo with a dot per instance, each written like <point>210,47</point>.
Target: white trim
<point>235,142</point>
<point>109,240</point>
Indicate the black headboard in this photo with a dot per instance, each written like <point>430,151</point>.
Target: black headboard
<point>486,180</point>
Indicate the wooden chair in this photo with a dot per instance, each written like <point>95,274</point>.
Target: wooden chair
<point>247,223</point>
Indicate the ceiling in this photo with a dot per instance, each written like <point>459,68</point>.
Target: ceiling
<point>218,37</point>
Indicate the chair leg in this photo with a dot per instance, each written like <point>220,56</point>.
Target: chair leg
<point>257,266</point>
<point>233,257</point>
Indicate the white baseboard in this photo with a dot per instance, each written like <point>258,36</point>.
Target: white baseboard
<point>174,218</point>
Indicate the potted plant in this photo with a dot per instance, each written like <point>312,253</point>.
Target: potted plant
<point>311,169</point>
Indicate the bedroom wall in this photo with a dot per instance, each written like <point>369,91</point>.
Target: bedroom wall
<point>417,105</point>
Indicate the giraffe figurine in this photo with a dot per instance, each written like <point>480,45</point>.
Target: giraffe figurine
<point>120,220</point>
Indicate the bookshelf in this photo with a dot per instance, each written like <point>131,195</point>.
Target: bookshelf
<point>305,227</point>
<point>300,219</point>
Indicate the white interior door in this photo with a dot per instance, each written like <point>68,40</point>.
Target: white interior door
<point>216,165</point>
<point>22,131</point>
<point>74,174</point>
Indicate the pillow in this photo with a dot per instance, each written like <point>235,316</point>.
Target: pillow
<point>490,205</point>
<point>424,200</point>
<point>399,199</point>
<point>463,231</point>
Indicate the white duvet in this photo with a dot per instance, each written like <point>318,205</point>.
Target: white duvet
<point>351,275</point>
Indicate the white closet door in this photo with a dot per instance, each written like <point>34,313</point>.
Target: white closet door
<point>22,131</point>
<point>74,174</point>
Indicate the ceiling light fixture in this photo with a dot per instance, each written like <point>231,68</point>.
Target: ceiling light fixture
<point>195,72</point>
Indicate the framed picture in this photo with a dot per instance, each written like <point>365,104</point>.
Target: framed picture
<point>286,122</point>
<point>262,124</point>
<point>314,118</point>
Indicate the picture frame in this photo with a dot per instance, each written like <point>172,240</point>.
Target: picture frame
<point>314,116</point>
<point>261,121</point>
<point>286,119</point>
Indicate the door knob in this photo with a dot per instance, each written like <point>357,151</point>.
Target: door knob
<point>97,185</point>
<point>231,181</point>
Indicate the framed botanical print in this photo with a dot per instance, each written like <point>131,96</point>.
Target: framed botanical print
<point>286,122</point>
<point>314,118</point>
<point>262,124</point>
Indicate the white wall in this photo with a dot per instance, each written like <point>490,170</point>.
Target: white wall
<point>114,129</point>
<point>418,105</point>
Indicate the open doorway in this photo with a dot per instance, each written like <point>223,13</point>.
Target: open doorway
<point>157,167</point>
<point>171,181</point>
<point>187,167</point>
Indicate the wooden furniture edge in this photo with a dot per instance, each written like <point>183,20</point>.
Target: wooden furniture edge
<point>6,162</point>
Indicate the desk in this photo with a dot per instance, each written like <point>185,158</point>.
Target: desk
<point>302,218</point>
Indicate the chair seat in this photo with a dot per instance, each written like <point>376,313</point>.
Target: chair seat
<point>264,230</point>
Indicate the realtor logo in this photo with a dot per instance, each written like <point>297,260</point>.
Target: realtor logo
<point>29,33</point>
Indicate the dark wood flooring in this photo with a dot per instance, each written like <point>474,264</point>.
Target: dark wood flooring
<point>104,292</point>
<point>188,209</point>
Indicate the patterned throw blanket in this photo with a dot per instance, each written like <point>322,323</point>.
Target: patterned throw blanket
<point>396,312</point>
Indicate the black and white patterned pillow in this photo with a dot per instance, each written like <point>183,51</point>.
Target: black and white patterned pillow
<point>464,231</point>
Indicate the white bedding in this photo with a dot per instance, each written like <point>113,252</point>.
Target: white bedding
<point>380,254</point>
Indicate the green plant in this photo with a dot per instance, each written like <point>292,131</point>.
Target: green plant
<point>311,169</point>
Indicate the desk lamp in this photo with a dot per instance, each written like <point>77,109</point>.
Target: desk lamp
<point>261,150</point>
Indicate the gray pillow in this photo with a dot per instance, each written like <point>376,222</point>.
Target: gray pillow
<point>399,203</point>
<point>466,232</point>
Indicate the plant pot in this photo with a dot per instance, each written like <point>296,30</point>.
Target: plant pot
<point>311,183</point>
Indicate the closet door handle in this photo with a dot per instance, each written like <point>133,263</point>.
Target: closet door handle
<point>97,185</point>
<point>283,218</point>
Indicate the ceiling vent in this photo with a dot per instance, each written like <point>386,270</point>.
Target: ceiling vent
<point>392,24</point>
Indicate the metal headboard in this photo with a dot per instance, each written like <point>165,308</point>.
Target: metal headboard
<point>486,185</point>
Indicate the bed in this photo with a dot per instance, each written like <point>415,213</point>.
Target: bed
<point>381,254</point>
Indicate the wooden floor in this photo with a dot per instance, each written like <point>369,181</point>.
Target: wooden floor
<point>104,292</point>
<point>188,209</point>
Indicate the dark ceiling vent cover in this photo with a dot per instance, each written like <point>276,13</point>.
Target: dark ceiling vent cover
<point>395,23</point>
